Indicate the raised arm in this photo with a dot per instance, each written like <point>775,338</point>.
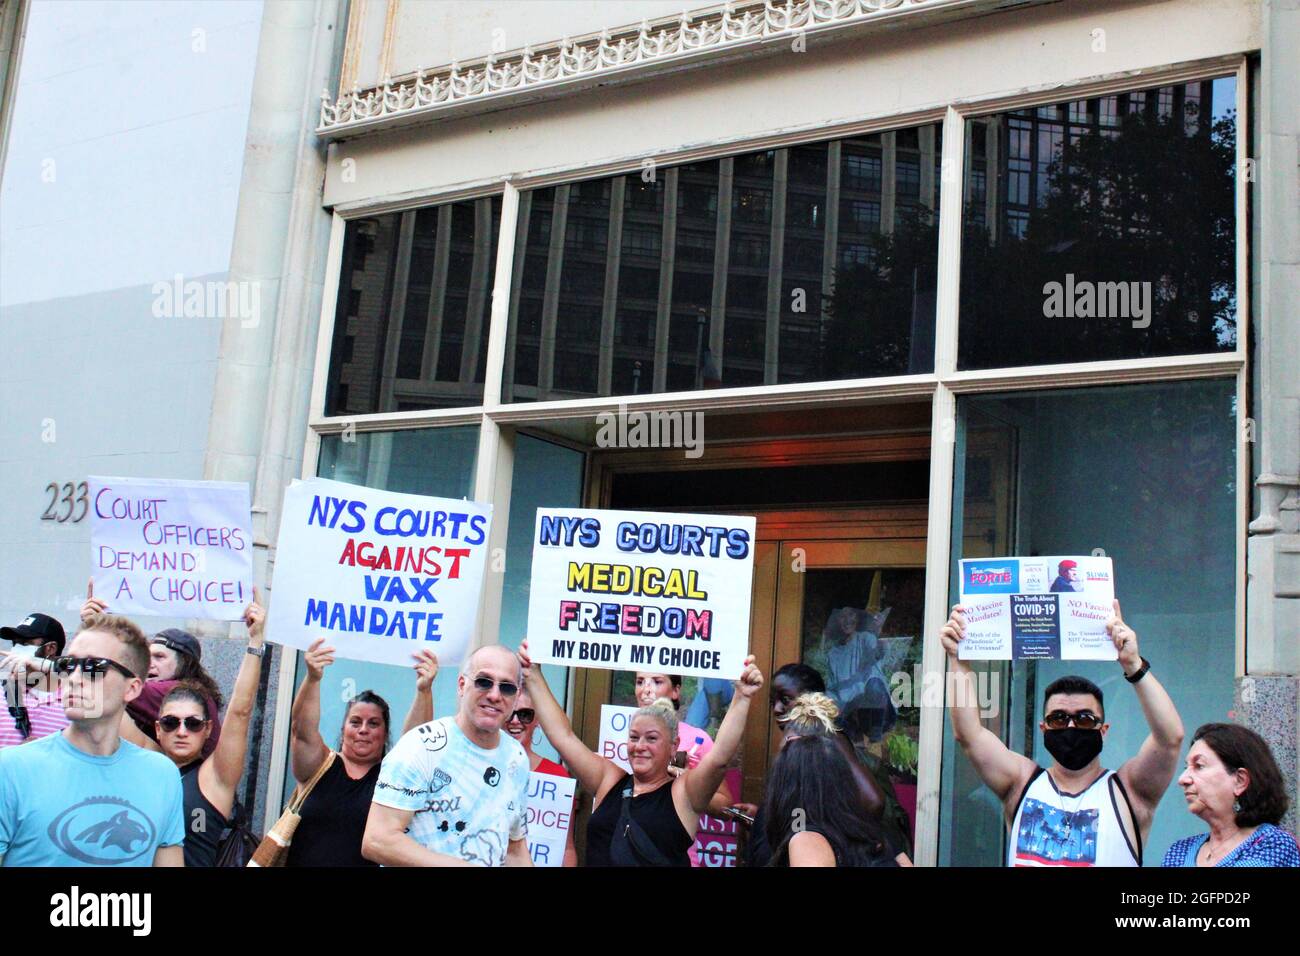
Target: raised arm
<point>700,784</point>
<point>306,748</point>
<point>1003,770</point>
<point>1147,774</point>
<point>421,712</point>
<point>220,773</point>
<point>591,769</point>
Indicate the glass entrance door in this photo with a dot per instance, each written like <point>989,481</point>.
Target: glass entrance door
<point>852,609</point>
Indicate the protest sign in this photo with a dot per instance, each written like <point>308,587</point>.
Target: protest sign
<point>379,575</point>
<point>1037,608</point>
<point>613,734</point>
<point>550,815</point>
<point>171,548</point>
<point>629,590</point>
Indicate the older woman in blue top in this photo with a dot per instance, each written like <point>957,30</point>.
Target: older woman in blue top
<point>1233,783</point>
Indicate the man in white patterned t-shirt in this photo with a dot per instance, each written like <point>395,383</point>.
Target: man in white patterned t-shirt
<point>453,791</point>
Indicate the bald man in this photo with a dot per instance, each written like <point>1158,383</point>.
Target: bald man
<point>453,791</point>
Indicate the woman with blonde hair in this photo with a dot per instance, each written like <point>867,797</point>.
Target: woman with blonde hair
<point>647,817</point>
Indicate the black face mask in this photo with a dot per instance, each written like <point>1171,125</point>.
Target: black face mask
<point>1073,748</point>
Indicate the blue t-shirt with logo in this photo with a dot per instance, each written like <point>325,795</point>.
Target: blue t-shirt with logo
<point>468,802</point>
<point>60,806</point>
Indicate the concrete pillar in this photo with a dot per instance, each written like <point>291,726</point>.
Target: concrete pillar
<point>265,366</point>
<point>1269,694</point>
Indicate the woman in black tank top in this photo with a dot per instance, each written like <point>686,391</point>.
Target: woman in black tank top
<point>647,817</point>
<point>183,728</point>
<point>333,817</point>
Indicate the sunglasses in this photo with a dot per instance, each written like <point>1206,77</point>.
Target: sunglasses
<point>94,666</point>
<point>486,684</point>
<point>1060,719</point>
<point>172,723</point>
<point>525,715</point>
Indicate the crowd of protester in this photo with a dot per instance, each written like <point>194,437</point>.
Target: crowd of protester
<point>115,750</point>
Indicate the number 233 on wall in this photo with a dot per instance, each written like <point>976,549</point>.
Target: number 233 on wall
<point>69,501</point>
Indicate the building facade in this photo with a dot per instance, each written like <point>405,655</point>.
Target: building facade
<point>909,280</point>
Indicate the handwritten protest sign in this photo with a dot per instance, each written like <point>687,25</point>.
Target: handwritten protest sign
<point>1037,608</point>
<point>171,548</point>
<point>378,574</point>
<point>549,815</point>
<point>628,590</point>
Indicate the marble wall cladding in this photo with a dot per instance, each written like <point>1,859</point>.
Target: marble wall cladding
<point>1268,705</point>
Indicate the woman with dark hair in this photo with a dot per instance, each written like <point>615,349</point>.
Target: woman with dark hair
<point>174,656</point>
<point>813,815</point>
<point>333,817</point>
<point>1233,783</point>
<point>183,727</point>
<point>795,680</point>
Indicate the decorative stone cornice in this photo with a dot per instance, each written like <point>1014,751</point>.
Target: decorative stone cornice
<point>620,52</point>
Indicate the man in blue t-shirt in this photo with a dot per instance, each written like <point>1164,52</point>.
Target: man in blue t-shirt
<point>85,797</point>
<point>453,791</point>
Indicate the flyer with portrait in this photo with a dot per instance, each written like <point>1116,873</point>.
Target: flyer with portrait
<point>1037,608</point>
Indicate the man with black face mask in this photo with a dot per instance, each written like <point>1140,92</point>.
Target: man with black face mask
<point>1075,812</point>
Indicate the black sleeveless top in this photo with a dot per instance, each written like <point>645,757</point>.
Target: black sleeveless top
<point>203,822</point>
<point>334,820</point>
<point>653,812</point>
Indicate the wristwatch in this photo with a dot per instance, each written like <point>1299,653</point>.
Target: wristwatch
<point>256,651</point>
<point>1140,673</point>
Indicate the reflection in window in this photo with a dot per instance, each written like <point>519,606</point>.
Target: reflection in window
<point>812,263</point>
<point>1024,486</point>
<point>410,326</point>
<point>1101,229</point>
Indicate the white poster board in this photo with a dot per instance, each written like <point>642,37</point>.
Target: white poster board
<point>171,548</point>
<point>613,734</point>
<point>379,575</point>
<point>550,815</point>
<point>1037,608</point>
<point>635,590</point>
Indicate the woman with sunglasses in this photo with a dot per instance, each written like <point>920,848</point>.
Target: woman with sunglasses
<point>521,726</point>
<point>647,817</point>
<point>175,656</point>
<point>333,817</point>
<point>184,726</point>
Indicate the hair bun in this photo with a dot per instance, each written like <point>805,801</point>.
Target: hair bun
<point>812,707</point>
<point>666,705</point>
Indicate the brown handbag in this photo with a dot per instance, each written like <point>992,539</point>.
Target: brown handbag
<point>274,848</point>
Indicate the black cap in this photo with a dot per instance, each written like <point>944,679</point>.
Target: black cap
<point>180,641</point>
<point>36,626</point>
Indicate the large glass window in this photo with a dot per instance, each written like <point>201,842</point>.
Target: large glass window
<point>437,462</point>
<point>1101,229</point>
<point>813,263</point>
<point>545,475</point>
<point>415,297</point>
<point>1146,475</point>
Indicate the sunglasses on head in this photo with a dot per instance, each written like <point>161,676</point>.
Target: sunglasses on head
<point>486,684</point>
<point>94,666</point>
<point>525,715</point>
<point>171,723</point>
<point>1060,719</point>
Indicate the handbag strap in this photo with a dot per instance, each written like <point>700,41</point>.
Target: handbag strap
<point>631,846</point>
<point>301,793</point>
